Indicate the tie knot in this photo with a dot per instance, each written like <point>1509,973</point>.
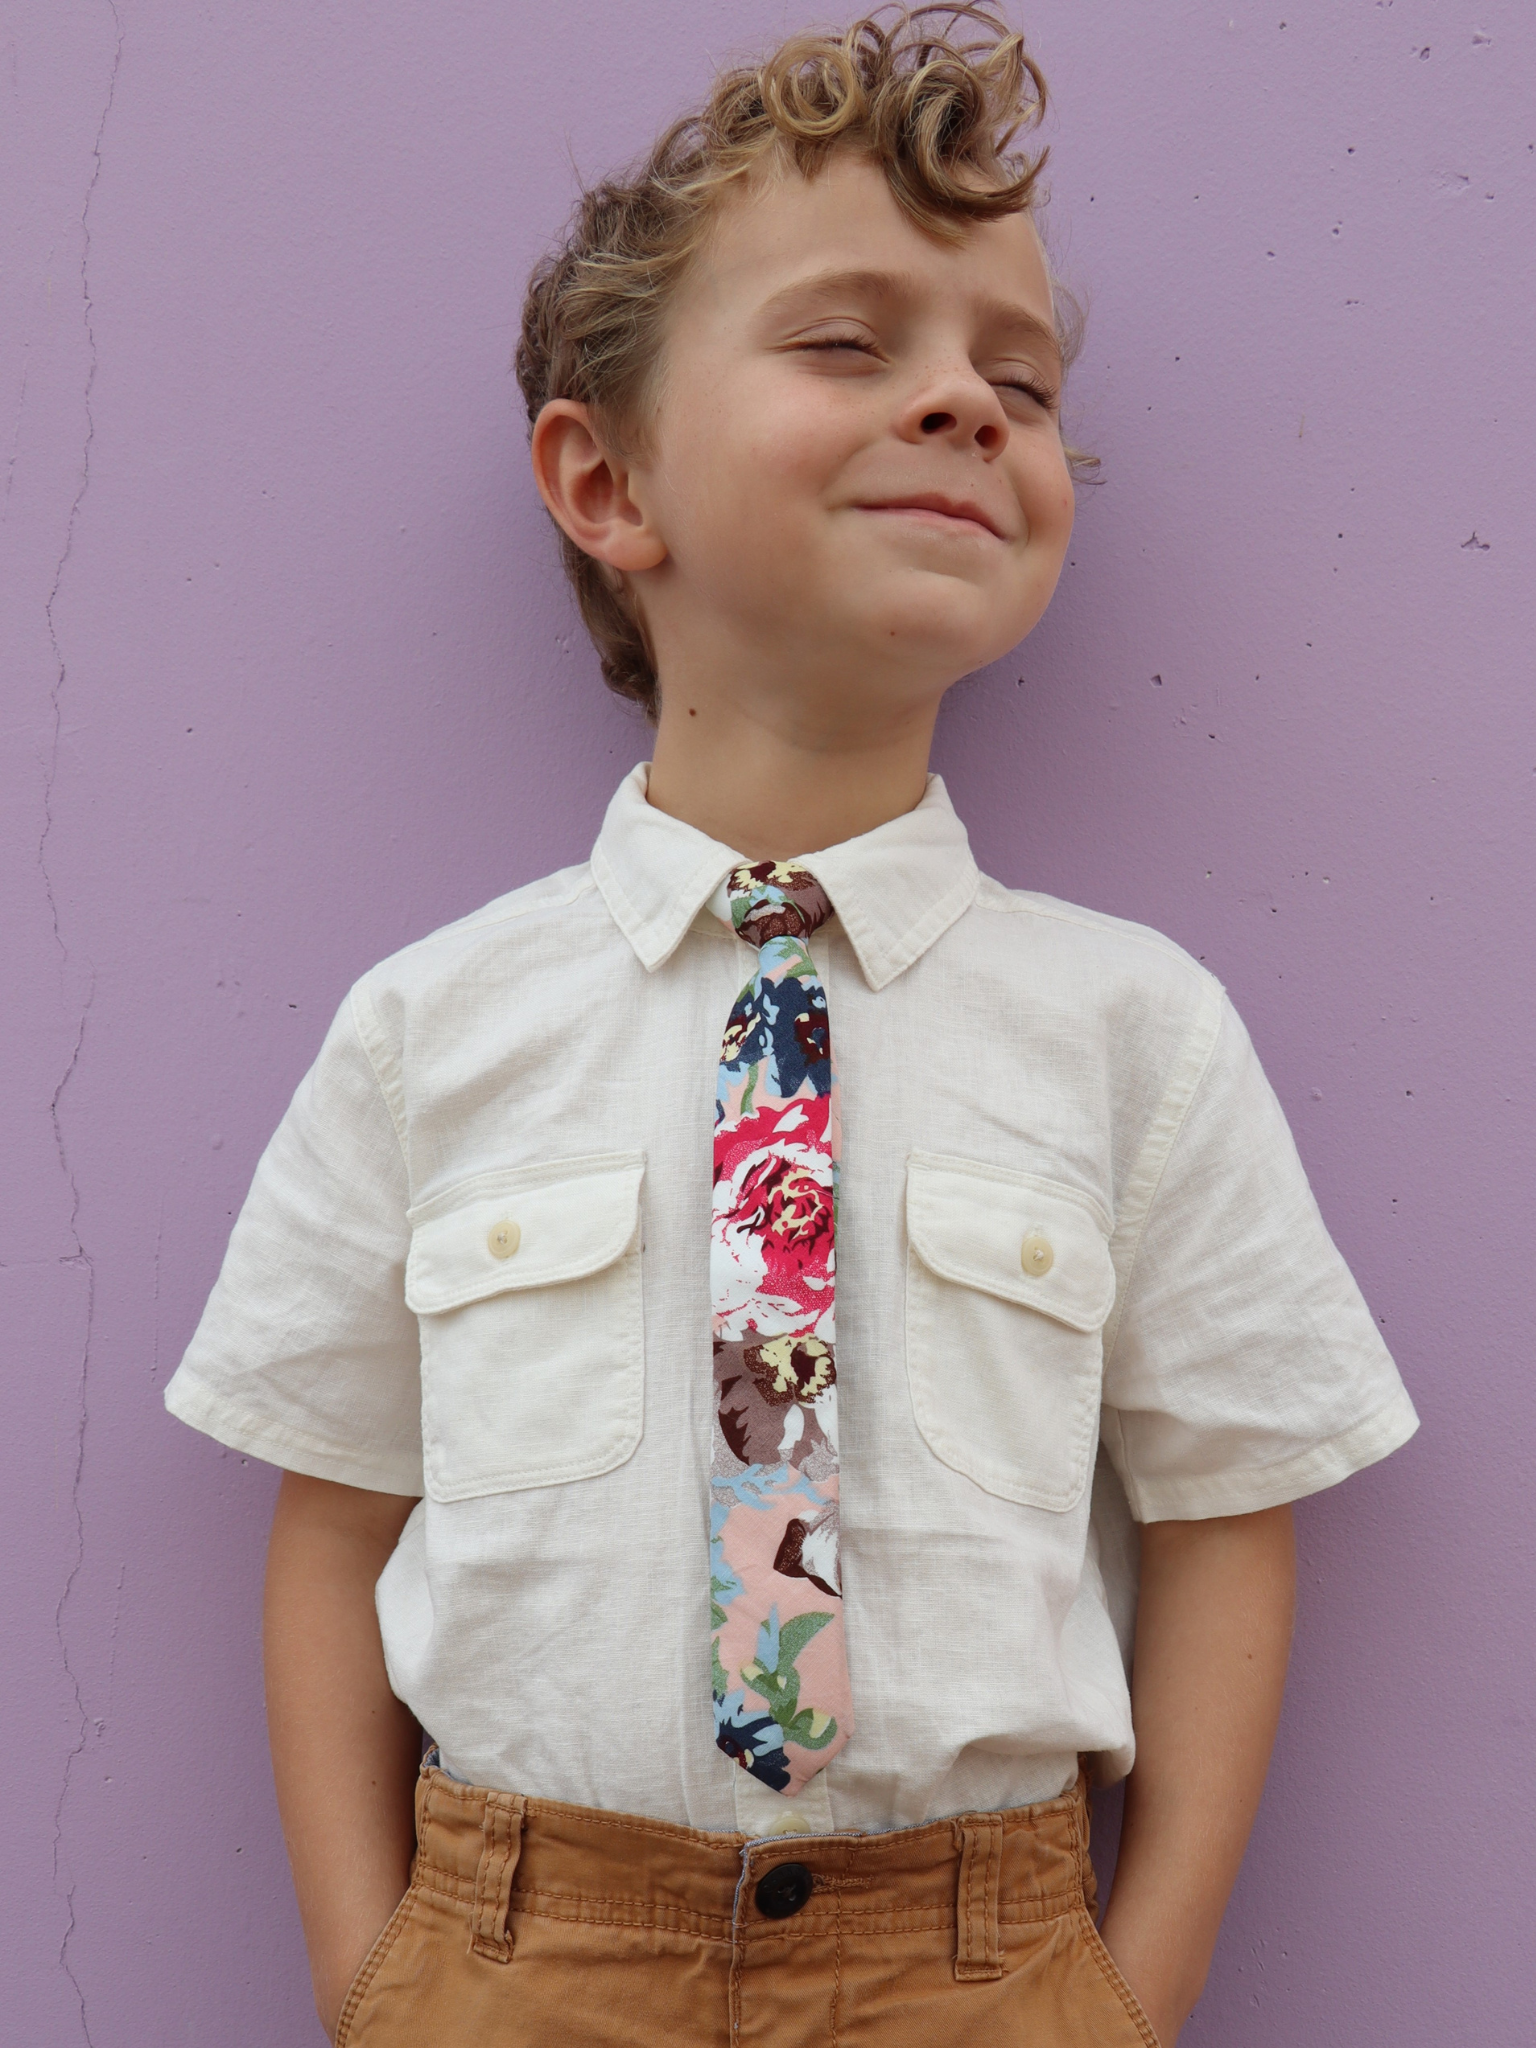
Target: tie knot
<point>772,900</point>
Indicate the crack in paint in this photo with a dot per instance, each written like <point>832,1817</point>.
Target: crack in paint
<point>79,1259</point>
<point>21,406</point>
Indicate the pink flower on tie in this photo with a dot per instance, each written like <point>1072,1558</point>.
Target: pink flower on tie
<point>771,1234</point>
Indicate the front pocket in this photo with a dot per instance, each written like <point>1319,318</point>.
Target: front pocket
<point>1109,1970</point>
<point>526,1282</point>
<point>371,1965</point>
<point>1009,1282</point>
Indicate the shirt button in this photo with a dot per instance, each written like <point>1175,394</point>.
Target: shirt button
<point>1036,1255</point>
<point>783,1890</point>
<point>504,1238</point>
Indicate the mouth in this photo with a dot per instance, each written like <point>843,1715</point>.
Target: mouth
<point>940,513</point>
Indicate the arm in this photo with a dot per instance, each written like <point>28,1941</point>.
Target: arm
<point>345,1751</point>
<point>1213,1634</point>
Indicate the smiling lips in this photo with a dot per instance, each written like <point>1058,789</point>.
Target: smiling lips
<point>953,514</point>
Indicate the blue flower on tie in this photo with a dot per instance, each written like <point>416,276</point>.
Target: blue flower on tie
<point>752,1740</point>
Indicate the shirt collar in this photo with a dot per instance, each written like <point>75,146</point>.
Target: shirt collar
<point>895,890</point>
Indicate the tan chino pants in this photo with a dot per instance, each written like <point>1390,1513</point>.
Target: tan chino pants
<point>532,1922</point>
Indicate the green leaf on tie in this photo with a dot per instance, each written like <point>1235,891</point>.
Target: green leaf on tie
<point>779,1688</point>
<point>716,1611</point>
<point>795,1634</point>
<point>803,1729</point>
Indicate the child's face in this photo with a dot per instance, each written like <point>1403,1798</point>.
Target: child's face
<point>855,459</point>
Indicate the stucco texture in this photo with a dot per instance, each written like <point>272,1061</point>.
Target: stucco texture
<point>290,677</point>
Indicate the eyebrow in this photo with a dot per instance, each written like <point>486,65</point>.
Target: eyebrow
<point>892,285</point>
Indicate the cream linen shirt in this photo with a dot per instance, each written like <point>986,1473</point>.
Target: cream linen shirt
<point>474,1267</point>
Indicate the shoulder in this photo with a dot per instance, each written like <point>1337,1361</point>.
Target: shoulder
<point>1093,950</point>
<point>541,922</point>
<point>504,921</point>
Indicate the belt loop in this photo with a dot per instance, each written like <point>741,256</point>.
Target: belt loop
<point>423,1806</point>
<point>501,1845</point>
<point>1082,1828</point>
<point>978,1944</point>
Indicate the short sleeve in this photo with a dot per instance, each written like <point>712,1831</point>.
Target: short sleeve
<point>1245,1369</point>
<point>307,1355</point>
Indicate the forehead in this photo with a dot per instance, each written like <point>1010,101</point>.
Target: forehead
<point>775,238</point>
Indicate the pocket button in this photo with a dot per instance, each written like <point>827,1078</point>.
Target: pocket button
<point>504,1239</point>
<point>1036,1255</point>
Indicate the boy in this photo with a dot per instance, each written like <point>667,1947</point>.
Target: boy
<point>613,1218</point>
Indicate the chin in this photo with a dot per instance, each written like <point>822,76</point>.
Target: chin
<point>951,635</point>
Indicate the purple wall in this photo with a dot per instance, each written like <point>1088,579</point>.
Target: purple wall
<point>290,677</point>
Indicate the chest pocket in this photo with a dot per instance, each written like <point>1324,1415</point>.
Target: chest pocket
<point>526,1282</point>
<point>1009,1282</point>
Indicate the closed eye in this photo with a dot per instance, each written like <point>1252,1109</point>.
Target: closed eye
<point>854,341</point>
<point>861,344</point>
<point>1040,393</point>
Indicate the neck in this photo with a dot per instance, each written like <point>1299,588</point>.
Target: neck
<point>772,783</point>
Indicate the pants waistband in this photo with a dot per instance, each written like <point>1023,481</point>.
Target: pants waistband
<point>502,1854</point>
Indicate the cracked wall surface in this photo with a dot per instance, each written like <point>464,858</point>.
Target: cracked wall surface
<point>76,1260</point>
<point>289,678</point>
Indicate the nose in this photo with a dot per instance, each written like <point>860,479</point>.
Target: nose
<point>954,404</point>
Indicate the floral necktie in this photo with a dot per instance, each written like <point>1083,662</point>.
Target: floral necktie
<point>782,1703</point>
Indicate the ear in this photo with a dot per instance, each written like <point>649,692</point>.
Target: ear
<point>589,492</point>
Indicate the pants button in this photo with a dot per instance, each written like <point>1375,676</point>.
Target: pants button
<point>783,1890</point>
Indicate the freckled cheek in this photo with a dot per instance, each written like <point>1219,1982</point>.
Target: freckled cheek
<point>796,453</point>
<point>802,435</point>
<point>771,493</point>
<point>741,454</point>
<point>1048,505</point>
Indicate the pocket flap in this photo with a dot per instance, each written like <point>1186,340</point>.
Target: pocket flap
<point>1014,1235</point>
<point>522,1226</point>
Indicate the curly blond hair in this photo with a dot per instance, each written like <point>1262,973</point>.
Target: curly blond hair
<point>936,96</point>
